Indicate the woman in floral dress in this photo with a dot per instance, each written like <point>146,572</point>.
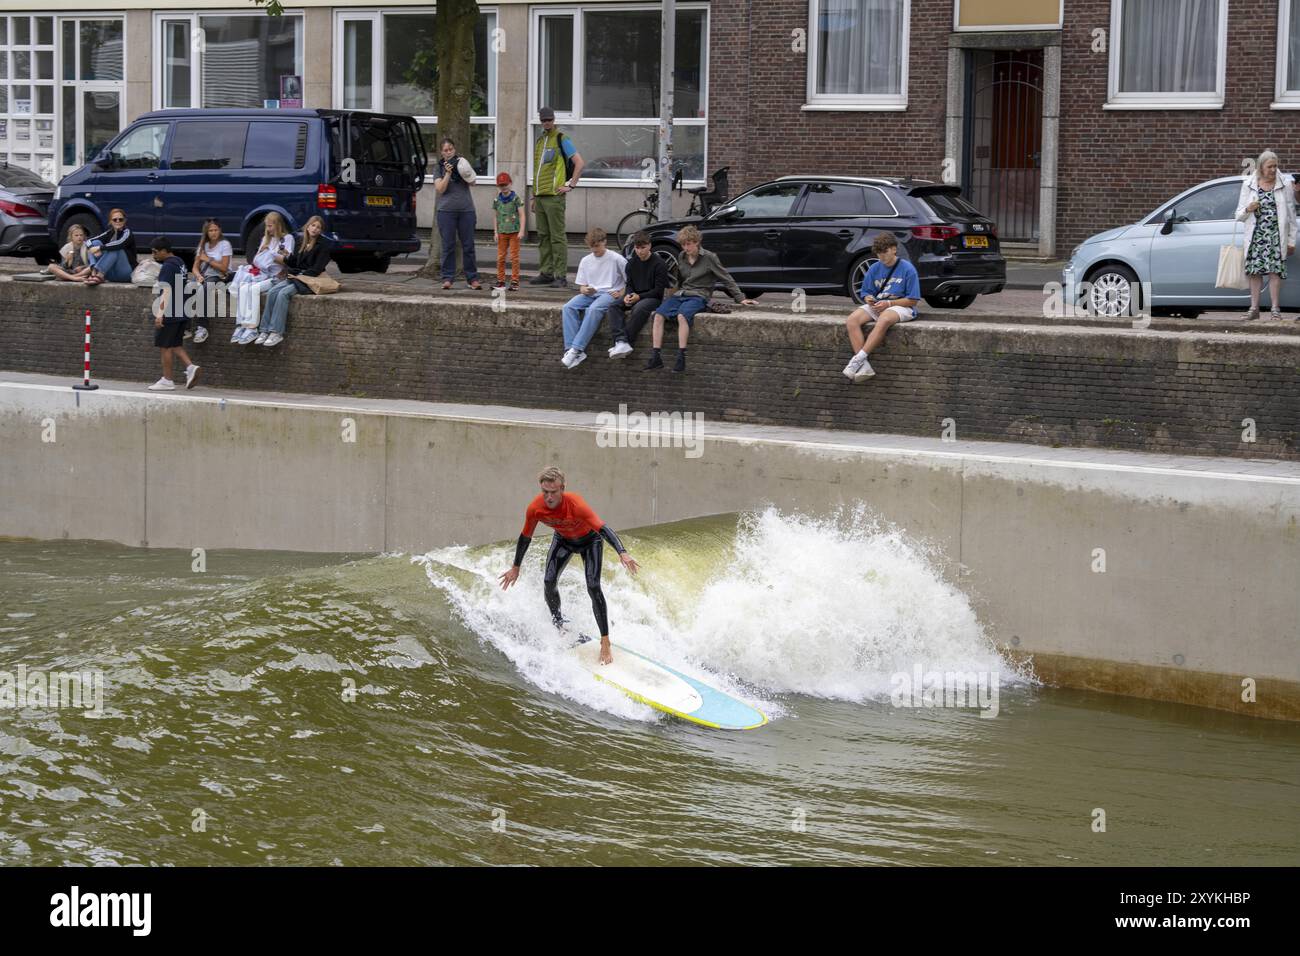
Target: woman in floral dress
<point>1266,206</point>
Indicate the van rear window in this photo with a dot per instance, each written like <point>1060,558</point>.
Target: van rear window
<point>208,145</point>
<point>380,143</point>
<point>276,146</point>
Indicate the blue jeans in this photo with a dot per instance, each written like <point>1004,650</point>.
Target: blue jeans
<point>275,311</point>
<point>453,225</point>
<point>582,315</point>
<point>682,306</point>
<point>113,264</point>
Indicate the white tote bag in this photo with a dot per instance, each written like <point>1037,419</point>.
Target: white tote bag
<point>1232,265</point>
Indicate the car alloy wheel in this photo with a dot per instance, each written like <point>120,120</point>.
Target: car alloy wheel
<point>1110,295</point>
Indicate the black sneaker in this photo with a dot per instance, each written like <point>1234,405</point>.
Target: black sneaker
<point>544,278</point>
<point>560,283</point>
<point>655,362</point>
<point>680,364</point>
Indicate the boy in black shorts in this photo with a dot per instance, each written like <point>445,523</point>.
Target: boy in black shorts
<point>169,316</point>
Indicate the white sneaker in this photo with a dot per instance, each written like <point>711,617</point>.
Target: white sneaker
<point>275,338</point>
<point>237,334</point>
<point>261,338</point>
<point>864,373</point>
<point>855,365</point>
<point>247,336</point>
<point>620,350</point>
<point>163,385</point>
<point>191,373</point>
<point>200,336</point>
<point>578,359</point>
<point>570,358</point>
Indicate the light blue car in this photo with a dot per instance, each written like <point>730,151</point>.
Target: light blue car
<point>1176,249</point>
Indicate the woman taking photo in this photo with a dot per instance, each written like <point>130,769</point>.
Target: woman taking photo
<point>456,216</point>
<point>211,268</point>
<point>252,281</point>
<point>1264,205</point>
<point>74,257</point>
<point>112,252</point>
<point>309,259</point>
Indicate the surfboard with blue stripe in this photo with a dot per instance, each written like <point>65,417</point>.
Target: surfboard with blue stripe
<point>668,690</point>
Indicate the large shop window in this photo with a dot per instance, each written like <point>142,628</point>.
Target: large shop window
<point>232,60</point>
<point>1168,54</point>
<point>598,68</point>
<point>857,54</point>
<point>1288,54</point>
<point>387,64</point>
<point>61,90</point>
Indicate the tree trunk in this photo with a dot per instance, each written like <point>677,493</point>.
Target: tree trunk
<point>453,38</point>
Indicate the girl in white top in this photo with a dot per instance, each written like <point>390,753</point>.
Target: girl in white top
<point>254,279</point>
<point>74,257</point>
<point>1266,205</point>
<point>211,266</point>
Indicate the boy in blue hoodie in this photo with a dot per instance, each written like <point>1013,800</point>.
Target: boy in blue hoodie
<point>508,225</point>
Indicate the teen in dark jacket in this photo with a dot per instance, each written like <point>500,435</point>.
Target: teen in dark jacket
<point>112,252</point>
<point>309,258</point>
<point>647,278</point>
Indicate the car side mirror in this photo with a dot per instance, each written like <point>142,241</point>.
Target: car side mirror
<point>1171,216</point>
<point>728,212</point>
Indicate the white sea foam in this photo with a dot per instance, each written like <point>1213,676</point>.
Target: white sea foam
<point>826,607</point>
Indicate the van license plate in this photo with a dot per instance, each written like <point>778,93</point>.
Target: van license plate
<point>976,242</point>
<point>388,201</point>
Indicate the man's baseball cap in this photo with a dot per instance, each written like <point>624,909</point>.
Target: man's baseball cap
<point>546,113</point>
<point>503,179</point>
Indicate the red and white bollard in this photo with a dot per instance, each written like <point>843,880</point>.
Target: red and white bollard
<point>86,385</point>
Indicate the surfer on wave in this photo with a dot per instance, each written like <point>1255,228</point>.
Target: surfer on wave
<point>578,530</point>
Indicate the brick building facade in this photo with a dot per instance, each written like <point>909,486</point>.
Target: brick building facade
<point>1089,152</point>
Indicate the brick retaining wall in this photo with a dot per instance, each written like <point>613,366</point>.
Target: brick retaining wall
<point>1141,390</point>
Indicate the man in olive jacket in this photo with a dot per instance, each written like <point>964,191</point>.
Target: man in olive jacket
<point>552,182</point>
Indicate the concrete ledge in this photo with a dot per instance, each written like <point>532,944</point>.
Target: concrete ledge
<point>1145,390</point>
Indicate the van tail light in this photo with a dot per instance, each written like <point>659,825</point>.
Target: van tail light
<point>327,197</point>
<point>993,229</point>
<point>412,202</point>
<point>20,211</point>
<point>938,233</point>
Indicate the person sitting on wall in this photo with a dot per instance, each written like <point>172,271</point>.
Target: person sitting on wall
<point>112,252</point>
<point>891,291</point>
<point>647,278</point>
<point>74,257</point>
<point>309,259</point>
<point>211,270</point>
<point>698,271</point>
<point>601,277</point>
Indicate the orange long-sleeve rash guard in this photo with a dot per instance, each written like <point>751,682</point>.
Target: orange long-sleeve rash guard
<point>573,519</point>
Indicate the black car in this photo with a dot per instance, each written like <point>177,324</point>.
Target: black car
<point>24,202</point>
<point>815,233</point>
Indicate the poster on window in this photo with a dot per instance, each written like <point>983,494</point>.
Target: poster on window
<point>290,92</point>
<point>22,131</point>
<point>45,141</point>
<point>22,106</point>
<point>4,128</point>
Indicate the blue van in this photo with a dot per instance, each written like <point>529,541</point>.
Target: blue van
<point>172,169</point>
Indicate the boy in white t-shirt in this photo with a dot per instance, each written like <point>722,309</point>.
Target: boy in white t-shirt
<point>601,278</point>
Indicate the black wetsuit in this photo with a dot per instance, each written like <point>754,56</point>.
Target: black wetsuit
<point>592,548</point>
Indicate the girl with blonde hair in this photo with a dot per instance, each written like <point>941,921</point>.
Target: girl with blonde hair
<point>255,279</point>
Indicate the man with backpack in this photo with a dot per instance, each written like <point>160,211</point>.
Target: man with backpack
<point>556,170</point>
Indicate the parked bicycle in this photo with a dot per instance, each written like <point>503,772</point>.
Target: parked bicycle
<point>704,199</point>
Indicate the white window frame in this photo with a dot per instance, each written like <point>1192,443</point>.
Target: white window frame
<point>855,102</point>
<point>575,116</point>
<point>1164,101</point>
<point>158,48</point>
<point>375,15</point>
<point>84,86</point>
<point>1284,99</point>
<point>10,146</point>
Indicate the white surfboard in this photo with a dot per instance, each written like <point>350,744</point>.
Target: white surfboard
<point>666,689</point>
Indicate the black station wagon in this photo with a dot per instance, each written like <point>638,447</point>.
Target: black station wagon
<point>815,233</point>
